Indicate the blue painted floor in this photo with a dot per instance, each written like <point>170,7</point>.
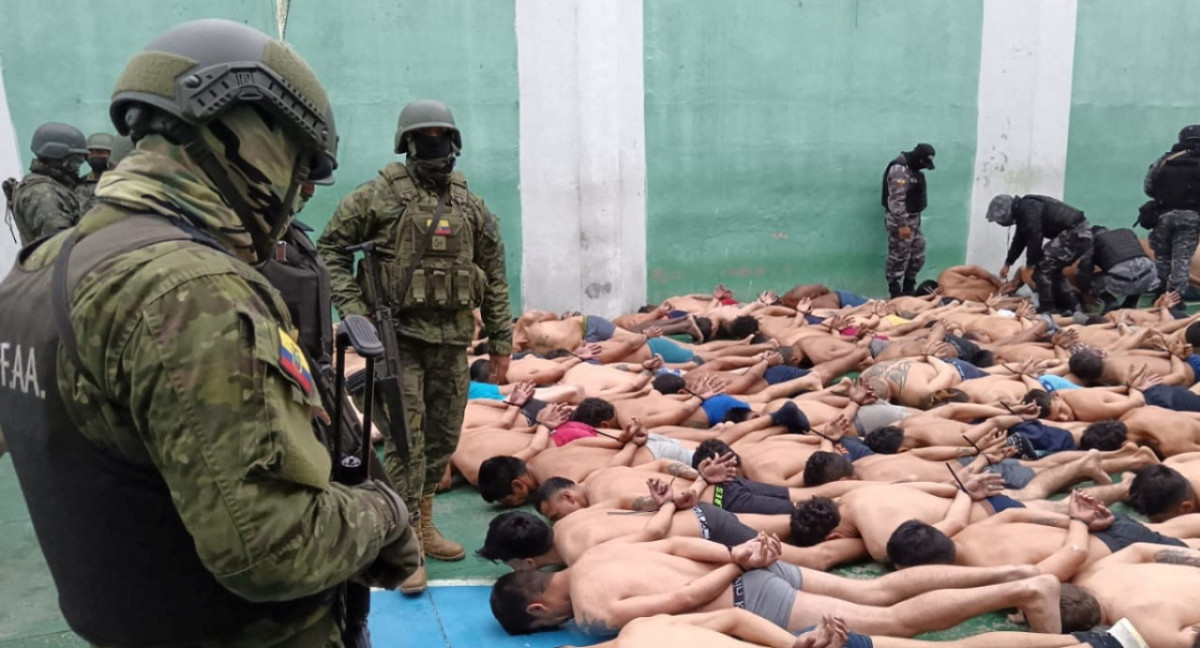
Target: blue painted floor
<point>453,617</point>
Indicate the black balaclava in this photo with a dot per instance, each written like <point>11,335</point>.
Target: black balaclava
<point>432,157</point>
<point>921,157</point>
<point>98,163</point>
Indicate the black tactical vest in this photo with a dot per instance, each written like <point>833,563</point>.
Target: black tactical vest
<point>126,568</point>
<point>1176,185</point>
<point>915,200</point>
<point>302,280</point>
<point>1114,246</point>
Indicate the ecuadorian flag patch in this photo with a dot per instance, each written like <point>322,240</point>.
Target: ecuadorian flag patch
<point>291,360</point>
<point>443,228</point>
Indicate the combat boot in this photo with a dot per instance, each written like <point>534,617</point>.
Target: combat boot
<point>910,287</point>
<point>416,581</point>
<point>433,542</point>
<point>894,289</point>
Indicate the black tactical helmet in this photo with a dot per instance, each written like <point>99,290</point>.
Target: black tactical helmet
<point>100,142</point>
<point>57,141</point>
<point>425,113</point>
<point>203,68</point>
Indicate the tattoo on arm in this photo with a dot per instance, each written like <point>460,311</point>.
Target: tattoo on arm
<point>643,504</point>
<point>595,627</point>
<point>1177,557</point>
<point>1048,521</point>
<point>678,469</point>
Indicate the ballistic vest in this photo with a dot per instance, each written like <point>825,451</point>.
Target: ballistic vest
<point>915,199</point>
<point>1176,185</point>
<point>303,282</point>
<point>126,568</point>
<point>1115,246</point>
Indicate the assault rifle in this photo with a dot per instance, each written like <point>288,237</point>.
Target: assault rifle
<point>352,469</point>
<point>388,374</point>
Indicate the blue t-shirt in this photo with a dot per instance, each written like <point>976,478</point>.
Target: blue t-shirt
<point>485,391</point>
<point>718,406</point>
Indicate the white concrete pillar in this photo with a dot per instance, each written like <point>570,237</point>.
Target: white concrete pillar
<point>1025,72</point>
<point>583,168</point>
<point>10,167</point>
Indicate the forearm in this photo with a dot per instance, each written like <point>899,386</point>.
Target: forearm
<point>958,516</point>
<point>1064,563</point>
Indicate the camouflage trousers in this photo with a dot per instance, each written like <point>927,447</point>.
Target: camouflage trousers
<point>1174,241</point>
<point>435,385</point>
<point>1054,293</point>
<point>904,258</point>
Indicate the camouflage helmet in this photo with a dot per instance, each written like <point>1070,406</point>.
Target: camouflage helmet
<point>198,70</point>
<point>57,141</point>
<point>100,142</point>
<point>425,113</point>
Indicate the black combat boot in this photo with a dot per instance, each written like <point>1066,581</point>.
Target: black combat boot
<point>910,286</point>
<point>894,289</point>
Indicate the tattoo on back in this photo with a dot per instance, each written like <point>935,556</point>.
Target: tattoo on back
<point>1177,557</point>
<point>643,503</point>
<point>898,373</point>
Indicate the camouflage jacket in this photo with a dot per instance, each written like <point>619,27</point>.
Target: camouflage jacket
<point>899,179</point>
<point>85,191</point>
<point>373,212</point>
<point>201,379</point>
<point>44,203</point>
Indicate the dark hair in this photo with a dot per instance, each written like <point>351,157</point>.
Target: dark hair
<point>1087,365</point>
<point>926,287</point>
<point>1079,609</point>
<point>1094,319</point>
<point>480,370</point>
<point>706,328</point>
<point>788,354</point>
<point>1157,489</point>
<point>824,467</point>
<point>1191,334</point>
<point>648,308</point>
<point>917,543</point>
<point>548,489</point>
<point>555,354</point>
<point>1108,434</point>
<point>944,396</point>
<point>885,440</point>
<point>1041,398</point>
<point>738,414</point>
<point>813,521</point>
<point>668,383</point>
<point>511,597</point>
<point>516,534</point>
<point>594,411</point>
<point>496,476</point>
<point>983,359</point>
<point>743,325</point>
<point>711,449</point>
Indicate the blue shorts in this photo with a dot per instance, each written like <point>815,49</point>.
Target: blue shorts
<point>999,503</point>
<point>1194,362</point>
<point>783,373</point>
<point>1172,397</point>
<point>1045,438</point>
<point>671,353</point>
<point>851,300</point>
<point>597,329</point>
<point>852,641</point>
<point>854,449</point>
<point>718,406</point>
<point>966,370</point>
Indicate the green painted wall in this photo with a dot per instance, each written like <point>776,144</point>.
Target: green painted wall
<point>768,125</point>
<point>60,65</point>
<point>1131,94</point>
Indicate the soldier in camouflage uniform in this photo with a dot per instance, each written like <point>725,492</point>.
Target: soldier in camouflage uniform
<point>1173,181</point>
<point>159,417</point>
<point>462,268</point>
<point>1038,218</point>
<point>904,198</point>
<point>99,147</point>
<point>45,200</point>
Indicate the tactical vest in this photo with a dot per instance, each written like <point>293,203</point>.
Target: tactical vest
<point>446,278</point>
<point>915,200</point>
<point>303,282</point>
<point>126,568</point>
<point>1176,185</point>
<point>1114,246</point>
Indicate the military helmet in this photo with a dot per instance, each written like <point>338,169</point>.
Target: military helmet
<point>57,141</point>
<point>198,70</point>
<point>1190,133</point>
<point>425,113</point>
<point>100,142</point>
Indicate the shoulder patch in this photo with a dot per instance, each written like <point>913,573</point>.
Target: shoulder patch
<point>291,360</point>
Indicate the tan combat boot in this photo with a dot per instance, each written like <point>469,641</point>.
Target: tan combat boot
<point>433,542</point>
<point>415,583</point>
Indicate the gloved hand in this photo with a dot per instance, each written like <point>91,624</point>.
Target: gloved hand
<point>401,555</point>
